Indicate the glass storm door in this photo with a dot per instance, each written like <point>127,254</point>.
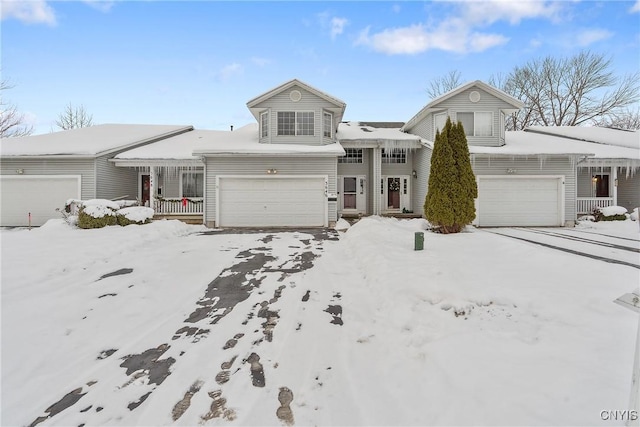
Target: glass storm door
<point>349,192</point>
<point>145,189</point>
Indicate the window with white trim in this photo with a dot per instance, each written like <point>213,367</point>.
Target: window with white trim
<point>439,120</point>
<point>479,123</point>
<point>296,123</point>
<point>327,125</point>
<point>264,124</point>
<point>395,155</point>
<point>192,184</point>
<point>354,155</point>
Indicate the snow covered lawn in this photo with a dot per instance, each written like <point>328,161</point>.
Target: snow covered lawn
<point>161,324</point>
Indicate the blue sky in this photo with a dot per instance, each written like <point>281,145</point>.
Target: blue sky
<point>199,62</point>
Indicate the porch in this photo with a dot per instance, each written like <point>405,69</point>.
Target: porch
<point>185,209</point>
<point>586,205</point>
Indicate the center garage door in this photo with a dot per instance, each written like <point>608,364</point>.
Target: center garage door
<point>39,195</point>
<point>295,201</point>
<point>520,201</point>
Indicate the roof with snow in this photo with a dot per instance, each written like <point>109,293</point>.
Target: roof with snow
<point>600,135</point>
<point>522,143</point>
<point>516,103</point>
<point>91,141</point>
<point>358,131</point>
<point>194,145</point>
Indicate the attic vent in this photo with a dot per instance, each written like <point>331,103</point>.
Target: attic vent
<point>295,95</point>
<point>366,130</point>
<point>474,96</point>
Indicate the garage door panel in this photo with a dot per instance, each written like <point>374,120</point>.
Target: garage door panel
<point>38,195</point>
<point>258,202</point>
<point>522,201</point>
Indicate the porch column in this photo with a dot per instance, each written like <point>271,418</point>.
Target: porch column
<point>153,182</point>
<point>614,176</point>
<point>377,176</point>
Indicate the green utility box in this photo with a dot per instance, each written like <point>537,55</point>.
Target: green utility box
<point>419,241</point>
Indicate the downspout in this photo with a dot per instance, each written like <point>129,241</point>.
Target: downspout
<point>377,176</point>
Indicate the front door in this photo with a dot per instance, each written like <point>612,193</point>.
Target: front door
<point>396,194</point>
<point>393,193</point>
<point>145,189</point>
<point>352,193</point>
<point>602,185</point>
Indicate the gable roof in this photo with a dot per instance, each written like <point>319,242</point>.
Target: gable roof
<point>86,142</point>
<point>295,82</point>
<point>432,105</point>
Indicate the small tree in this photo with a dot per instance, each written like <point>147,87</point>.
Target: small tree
<point>449,204</point>
<point>74,117</point>
<point>12,122</point>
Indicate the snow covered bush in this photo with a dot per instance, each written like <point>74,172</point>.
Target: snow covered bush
<point>134,215</point>
<point>635,214</point>
<point>610,213</point>
<point>96,216</point>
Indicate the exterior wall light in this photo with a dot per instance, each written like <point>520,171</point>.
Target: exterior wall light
<point>511,171</point>
<point>19,171</point>
<point>272,171</point>
<point>414,173</point>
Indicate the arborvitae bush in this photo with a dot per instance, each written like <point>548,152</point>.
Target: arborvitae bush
<point>87,221</point>
<point>449,204</point>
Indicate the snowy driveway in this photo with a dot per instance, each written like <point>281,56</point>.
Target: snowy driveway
<point>603,245</point>
<point>163,325</point>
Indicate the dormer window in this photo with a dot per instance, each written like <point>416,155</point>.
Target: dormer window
<point>439,121</point>
<point>327,125</point>
<point>296,123</point>
<point>264,124</point>
<point>479,123</point>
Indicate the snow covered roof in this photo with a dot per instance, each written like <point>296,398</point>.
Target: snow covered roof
<point>192,146</point>
<point>358,131</point>
<point>87,142</point>
<point>516,103</point>
<point>601,135</point>
<point>522,143</point>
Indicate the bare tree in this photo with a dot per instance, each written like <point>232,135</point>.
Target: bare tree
<point>443,84</point>
<point>74,117</point>
<point>573,91</point>
<point>11,120</point>
<point>628,120</point>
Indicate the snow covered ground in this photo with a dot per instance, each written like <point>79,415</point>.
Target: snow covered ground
<point>172,324</point>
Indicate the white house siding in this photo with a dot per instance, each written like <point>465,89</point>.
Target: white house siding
<point>257,166</point>
<point>422,166</point>
<point>628,189</point>
<point>83,167</point>
<point>113,182</point>
<point>533,166</point>
<point>308,102</point>
<point>461,103</point>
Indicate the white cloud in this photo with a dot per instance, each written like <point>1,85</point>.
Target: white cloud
<point>337,26</point>
<point>229,71</point>
<point>29,12</point>
<point>587,37</point>
<point>397,8</point>
<point>334,24</point>
<point>415,39</point>
<point>636,7</point>
<point>462,32</point>
<point>101,5</point>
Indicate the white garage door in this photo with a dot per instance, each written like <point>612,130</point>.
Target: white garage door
<point>520,201</point>
<point>272,202</point>
<point>39,195</point>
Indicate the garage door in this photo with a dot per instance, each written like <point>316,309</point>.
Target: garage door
<point>272,202</point>
<point>520,201</point>
<point>39,195</point>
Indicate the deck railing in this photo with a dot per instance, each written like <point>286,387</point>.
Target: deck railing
<point>179,206</point>
<point>586,205</point>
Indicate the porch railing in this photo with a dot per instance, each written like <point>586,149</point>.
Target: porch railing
<point>179,206</point>
<point>586,205</point>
